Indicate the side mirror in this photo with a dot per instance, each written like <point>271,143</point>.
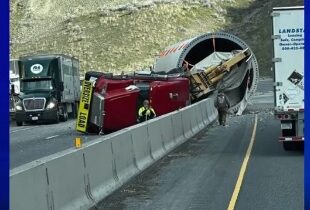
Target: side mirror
<point>61,86</point>
<point>13,93</point>
<point>12,89</point>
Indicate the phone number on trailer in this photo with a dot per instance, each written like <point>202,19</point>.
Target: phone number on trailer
<point>293,48</point>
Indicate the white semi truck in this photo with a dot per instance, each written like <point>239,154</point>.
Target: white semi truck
<point>14,86</point>
<point>14,76</point>
<point>288,65</point>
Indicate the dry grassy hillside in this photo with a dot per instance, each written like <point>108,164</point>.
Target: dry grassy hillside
<point>125,35</point>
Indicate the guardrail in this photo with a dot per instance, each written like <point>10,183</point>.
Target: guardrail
<point>78,179</point>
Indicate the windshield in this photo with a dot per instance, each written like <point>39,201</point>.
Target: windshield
<point>39,67</point>
<point>14,66</point>
<point>36,85</point>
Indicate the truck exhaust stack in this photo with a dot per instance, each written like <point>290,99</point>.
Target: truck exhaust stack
<point>238,85</point>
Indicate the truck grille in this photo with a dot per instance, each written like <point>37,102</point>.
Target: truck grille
<point>34,104</point>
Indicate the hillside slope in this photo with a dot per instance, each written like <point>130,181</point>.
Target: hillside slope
<point>126,35</point>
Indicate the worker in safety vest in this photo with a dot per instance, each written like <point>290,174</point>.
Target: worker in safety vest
<point>222,104</point>
<point>146,112</point>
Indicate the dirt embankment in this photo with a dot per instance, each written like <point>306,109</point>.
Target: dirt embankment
<point>126,35</point>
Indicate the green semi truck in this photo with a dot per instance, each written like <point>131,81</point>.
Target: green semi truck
<point>49,88</point>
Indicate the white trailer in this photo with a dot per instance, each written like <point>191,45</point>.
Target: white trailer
<point>288,65</point>
<point>14,85</point>
<point>14,76</point>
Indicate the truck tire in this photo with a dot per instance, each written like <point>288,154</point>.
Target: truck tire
<point>19,123</point>
<point>57,117</point>
<point>64,116</point>
<point>75,110</point>
<point>75,107</point>
<point>288,145</point>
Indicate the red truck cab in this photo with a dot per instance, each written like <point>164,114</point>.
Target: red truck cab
<point>116,100</point>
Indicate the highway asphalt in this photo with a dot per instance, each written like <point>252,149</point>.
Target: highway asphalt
<point>203,172</point>
<point>31,142</point>
<point>200,174</point>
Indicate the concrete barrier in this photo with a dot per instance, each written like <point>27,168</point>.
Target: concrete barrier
<point>28,188</point>
<point>177,127</point>
<point>211,110</point>
<point>53,182</point>
<point>204,114</point>
<point>167,132</point>
<point>122,151</point>
<point>66,181</point>
<point>155,137</point>
<point>187,122</point>
<point>193,118</point>
<point>77,179</point>
<point>141,146</point>
<point>199,115</point>
<point>100,169</point>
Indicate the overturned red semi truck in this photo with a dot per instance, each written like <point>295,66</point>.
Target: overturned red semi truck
<point>183,74</point>
<point>114,101</point>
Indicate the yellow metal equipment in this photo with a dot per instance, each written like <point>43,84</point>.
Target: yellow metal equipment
<point>205,81</point>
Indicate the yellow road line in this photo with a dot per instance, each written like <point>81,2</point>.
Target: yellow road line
<point>235,194</point>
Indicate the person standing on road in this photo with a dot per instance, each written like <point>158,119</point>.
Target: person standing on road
<point>222,104</point>
<point>146,112</point>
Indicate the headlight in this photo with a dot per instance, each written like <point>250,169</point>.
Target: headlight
<point>18,107</point>
<point>51,105</point>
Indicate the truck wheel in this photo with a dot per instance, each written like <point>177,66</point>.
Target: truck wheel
<point>75,108</point>
<point>19,123</point>
<point>288,145</point>
<point>74,112</point>
<point>64,116</point>
<point>57,117</point>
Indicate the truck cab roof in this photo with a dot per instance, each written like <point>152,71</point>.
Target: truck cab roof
<point>288,8</point>
<point>44,56</point>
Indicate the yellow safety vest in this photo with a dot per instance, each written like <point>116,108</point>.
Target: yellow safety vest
<point>147,113</point>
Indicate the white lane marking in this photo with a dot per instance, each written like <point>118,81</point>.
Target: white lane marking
<point>50,137</point>
<point>23,129</point>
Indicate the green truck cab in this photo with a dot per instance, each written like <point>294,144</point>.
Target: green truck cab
<point>49,88</point>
